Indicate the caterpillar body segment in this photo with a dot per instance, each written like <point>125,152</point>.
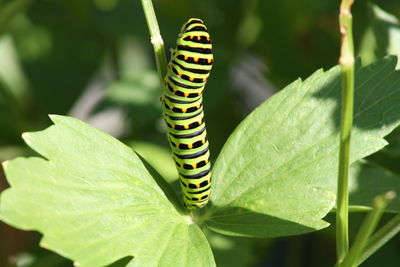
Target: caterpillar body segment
<point>188,71</point>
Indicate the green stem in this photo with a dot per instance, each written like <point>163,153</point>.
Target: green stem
<point>9,11</point>
<point>156,39</point>
<point>346,61</point>
<point>367,228</point>
<point>381,237</point>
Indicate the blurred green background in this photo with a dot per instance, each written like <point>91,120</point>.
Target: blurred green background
<point>93,60</point>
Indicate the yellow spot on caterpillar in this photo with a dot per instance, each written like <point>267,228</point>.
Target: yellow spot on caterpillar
<point>186,94</point>
<point>177,145</point>
<point>173,126</point>
<point>181,164</point>
<point>198,185</point>
<point>180,73</point>
<point>185,57</point>
<point>191,79</point>
<point>208,38</point>
<point>184,110</point>
<point>190,145</point>
<point>209,60</point>
<point>198,106</point>
<point>198,37</point>
<point>191,37</point>
<point>196,59</point>
<point>200,122</point>
<point>170,107</point>
<point>174,90</point>
<point>203,142</point>
<point>206,161</point>
<point>186,127</point>
<point>194,166</point>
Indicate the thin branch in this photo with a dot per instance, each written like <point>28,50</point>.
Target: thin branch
<point>156,39</point>
<point>381,237</point>
<point>346,62</point>
<point>367,228</point>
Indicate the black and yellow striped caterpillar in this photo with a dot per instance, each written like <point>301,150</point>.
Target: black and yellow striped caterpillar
<point>188,70</point>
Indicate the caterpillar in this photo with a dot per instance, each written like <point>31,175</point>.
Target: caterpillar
<point>187,74</point>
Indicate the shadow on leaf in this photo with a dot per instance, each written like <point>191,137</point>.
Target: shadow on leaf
<point>244,222</point>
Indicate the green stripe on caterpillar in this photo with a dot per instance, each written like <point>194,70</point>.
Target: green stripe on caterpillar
<point>188,71</point>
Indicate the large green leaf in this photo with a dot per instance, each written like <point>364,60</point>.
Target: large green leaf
<point>95,202</point>
<point>275,174</point>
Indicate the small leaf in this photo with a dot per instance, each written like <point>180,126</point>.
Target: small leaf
<point>95,202</point>
<point>274,176</point>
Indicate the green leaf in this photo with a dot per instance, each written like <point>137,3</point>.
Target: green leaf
<point>274,176</point>
<point>95,202</point>
<point>382,36</point>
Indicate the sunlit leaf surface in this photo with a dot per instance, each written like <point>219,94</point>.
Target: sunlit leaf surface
<point>277,172</point>
<point>95,202</point>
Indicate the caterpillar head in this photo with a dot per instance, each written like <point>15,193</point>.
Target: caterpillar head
<point>194,30</point>
<point>191,23</point>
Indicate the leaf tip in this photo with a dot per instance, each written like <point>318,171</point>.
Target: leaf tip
<point>54,117</point>
<point>61,120</point>
<point>45,245</point>
<point>5,164</point>
<point>27,138</point>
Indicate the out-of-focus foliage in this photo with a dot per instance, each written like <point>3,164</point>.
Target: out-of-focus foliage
<point>159,157</point>
<point>382,37</point>
<point>369,181</point>
<point>81,58</point>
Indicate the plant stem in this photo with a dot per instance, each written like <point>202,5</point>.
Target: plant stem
<point>367,228</point>
<point>156,39</point>
<point>346,62</point>
<point>380,238</point>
